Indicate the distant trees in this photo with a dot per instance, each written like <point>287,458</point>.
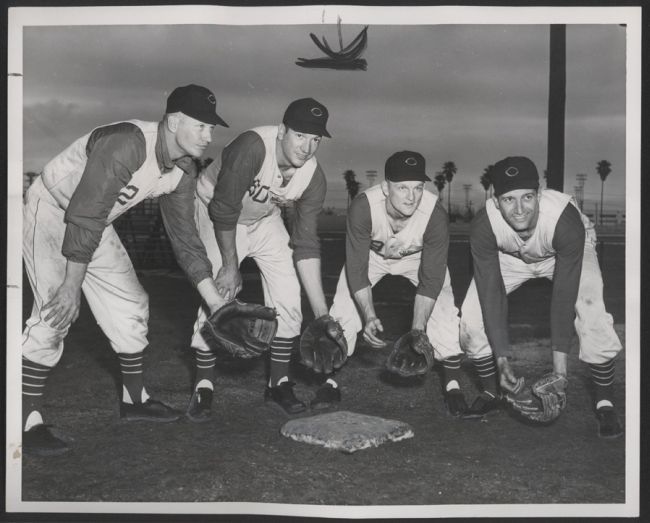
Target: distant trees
<point>448,170</point>
<point>440,181</point>
<point>485,180</point>
<point>351,184</point>
<point>604,168</point>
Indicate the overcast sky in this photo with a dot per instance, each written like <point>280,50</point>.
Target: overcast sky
<point>471,94</point>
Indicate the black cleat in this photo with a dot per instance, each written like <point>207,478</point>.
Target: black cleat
<point>150,410</point>
<point>39,441</point>
<point>282,396</point>
<point>483,404</point>
<point>326,397</point>
<point>456,404</point>
<point>200,408</point>
<point>609,427</point>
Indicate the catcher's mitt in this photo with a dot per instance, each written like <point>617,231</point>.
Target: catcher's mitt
<point>543,401</point>
<point>323,347</point>
<point>242,330</point>
<point>412,355</point>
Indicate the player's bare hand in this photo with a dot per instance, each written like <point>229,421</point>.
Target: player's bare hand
<point>372,332</point>
<point>63,309</point>
<point>228,282</point>
<point>507,378</point>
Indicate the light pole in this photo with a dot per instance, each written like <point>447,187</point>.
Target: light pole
<point>371,176</point>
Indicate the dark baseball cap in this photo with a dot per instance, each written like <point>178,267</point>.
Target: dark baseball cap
<point>405,166</point>
<point>196,102</point>
<point>512,173</point>
<point>307,116</point>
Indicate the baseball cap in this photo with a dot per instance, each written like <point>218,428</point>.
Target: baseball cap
<point>512,173</point>
<point>195,101</point>
<point>306,115</point>
<point>405,166</point>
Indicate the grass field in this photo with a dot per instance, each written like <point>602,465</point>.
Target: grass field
<point>241,456</point>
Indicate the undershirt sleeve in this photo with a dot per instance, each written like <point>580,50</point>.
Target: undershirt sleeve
<point>304,237</point>
<point>433,266</point>
<point>357,243</point>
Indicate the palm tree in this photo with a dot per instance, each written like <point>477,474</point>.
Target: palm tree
<point>439,181</point>
<point>351,184</point>
<point>485,180</point>
<point>448,170</point>
<point>603,169</point>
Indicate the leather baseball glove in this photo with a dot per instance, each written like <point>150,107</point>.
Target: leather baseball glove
<point>412,355</point>
<point>543,401</point>
<point>323,347</point>
<point>242,330</point>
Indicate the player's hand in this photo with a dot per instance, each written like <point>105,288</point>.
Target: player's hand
<point>228,282</point>
<point>372,331</point>
<point>507,378</point>
<point>63,309</point>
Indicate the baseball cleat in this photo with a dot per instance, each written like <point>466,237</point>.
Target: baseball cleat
<point>609,427</point>
<point>326,397</point>
<point>456,404</point>
<point>483,404</point>
<point>39,441</point>
<point>200,408</point>
<point>150,410</point>
<point>282,396</point>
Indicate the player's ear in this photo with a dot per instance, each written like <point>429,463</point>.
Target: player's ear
<point>496,201</point>
<point>384,187</point>
<point>172,120</point>
<point>282,131</point>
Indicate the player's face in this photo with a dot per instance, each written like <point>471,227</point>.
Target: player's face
<point>193,136</point>
<point>295,148</point>
<point>403,198</point>
<point>520,208</point>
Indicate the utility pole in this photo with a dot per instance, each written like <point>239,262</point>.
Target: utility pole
<point>556,108</point>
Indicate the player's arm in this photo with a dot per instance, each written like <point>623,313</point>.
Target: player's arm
<point>306,244</point>
<point>114,153</point>
<point>492,296</point>
<point>241,160</point>
<point>568,242</point>
<point>433,266</point>
<point>177,210</point>
<point>357,254</point>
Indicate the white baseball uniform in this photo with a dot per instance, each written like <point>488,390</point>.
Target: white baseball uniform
<point>399,254</point>
<point>521,260</point>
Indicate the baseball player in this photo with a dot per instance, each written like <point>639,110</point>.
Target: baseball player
<point>399,228</point>
<point>525,232</point>
<point>70,246</point>
<point>238,215</point>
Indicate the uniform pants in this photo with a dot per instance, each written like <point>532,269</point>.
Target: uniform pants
<point>594,325</point>
<point>118,301</point>
<point>442,326</point>
<point>267,242</point>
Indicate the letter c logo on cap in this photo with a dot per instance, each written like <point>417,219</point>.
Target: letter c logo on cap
<point>212,99</point>
<point>512,171</point>
<point>411,161</point>
<point>316,111</point>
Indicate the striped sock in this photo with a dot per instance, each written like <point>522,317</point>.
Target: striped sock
<point>487,373</point>
<point>280,358</point>
<point>132,379</point>
<point>34,378</point>
<point>602,376</point>
<point>452,372</point>
<point>205,362</point>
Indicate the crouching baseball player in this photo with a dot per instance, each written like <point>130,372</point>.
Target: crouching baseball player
<point>525,232</point>
<point>238,215</point>
<point>69,246</point>
<point>399,228</point>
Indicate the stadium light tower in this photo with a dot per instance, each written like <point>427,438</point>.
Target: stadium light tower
<point>466,188</point>
<point>580,189</point>
<point>371,176</point>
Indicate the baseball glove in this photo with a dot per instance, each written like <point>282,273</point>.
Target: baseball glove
<point>412,355</point>
<point>323,347</point>
<point>242,330</point>
<point>543,401</point>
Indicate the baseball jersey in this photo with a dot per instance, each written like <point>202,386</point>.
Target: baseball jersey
<point>106,172</point>
<point>247,186</point>
<point>369,233</point>
<point>559,234</point>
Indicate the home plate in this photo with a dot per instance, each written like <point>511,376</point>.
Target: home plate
<point>346,431</point>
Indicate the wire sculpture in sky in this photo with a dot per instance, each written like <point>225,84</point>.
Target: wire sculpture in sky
<point>346,58</point>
